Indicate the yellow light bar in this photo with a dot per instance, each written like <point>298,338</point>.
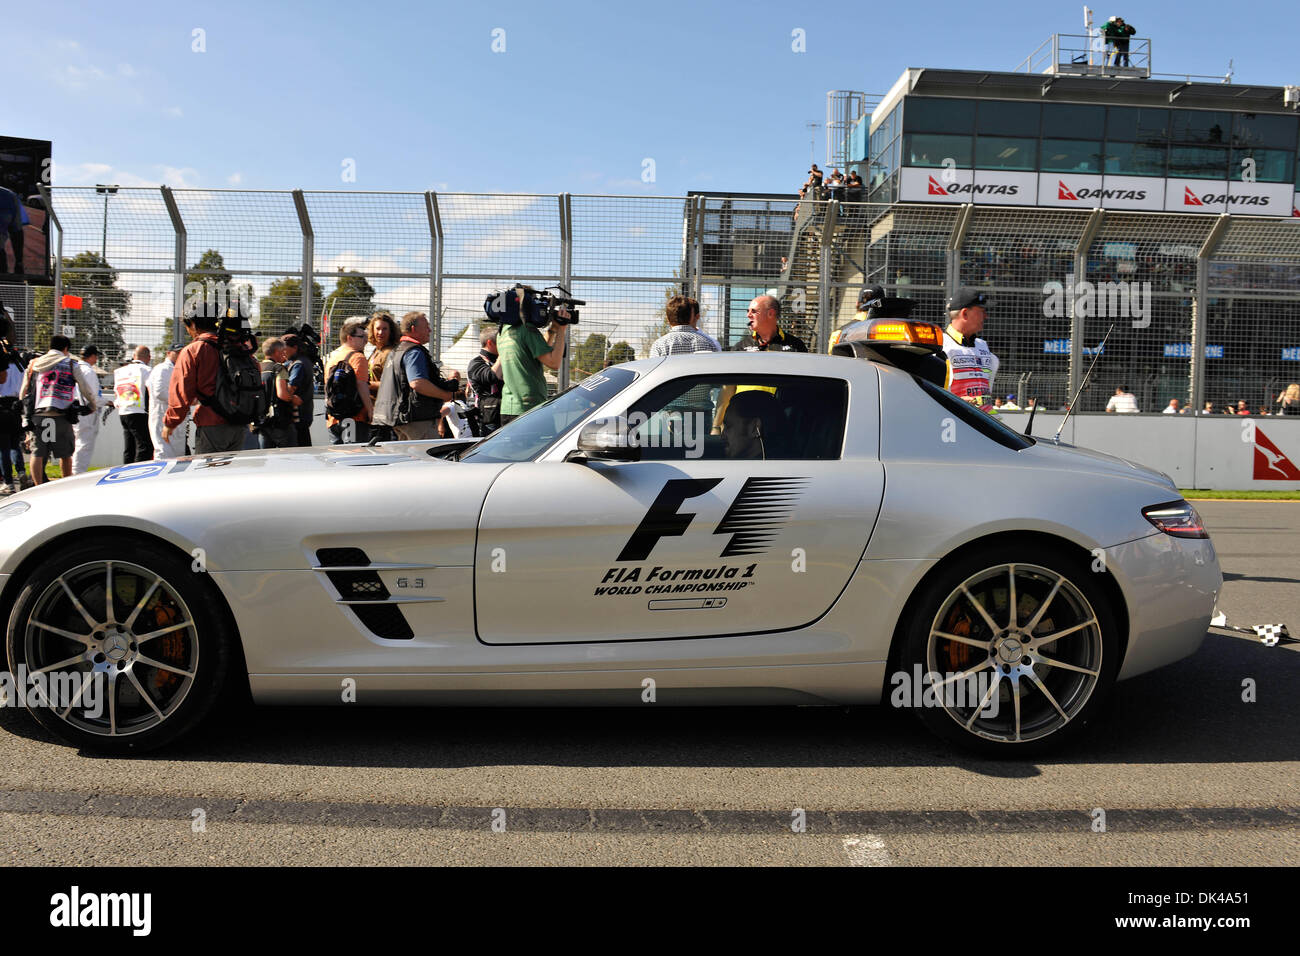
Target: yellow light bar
<point>917,333</point>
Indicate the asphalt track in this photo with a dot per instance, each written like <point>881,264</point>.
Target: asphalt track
<point>1185,770</point>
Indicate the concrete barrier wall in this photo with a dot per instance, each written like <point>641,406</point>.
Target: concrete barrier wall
<point>110,444</point>
<point>1223,452</point>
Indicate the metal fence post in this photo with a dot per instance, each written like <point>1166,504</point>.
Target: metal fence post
<point>1090,230</point>
<point>435,272</point>
<point>1200,310</point>
<point>308,256</point>
<point>566,276</point>
<point>824,275</point>
<point>58,264</point>
<point>953,278</point>
<point>178,290</point>
<point>697,250</point>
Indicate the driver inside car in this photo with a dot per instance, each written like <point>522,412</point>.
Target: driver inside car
<point>753,427</point>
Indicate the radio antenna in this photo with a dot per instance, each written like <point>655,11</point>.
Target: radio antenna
<point>1084,384</point>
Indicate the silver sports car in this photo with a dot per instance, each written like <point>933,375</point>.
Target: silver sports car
<point>702,529</point>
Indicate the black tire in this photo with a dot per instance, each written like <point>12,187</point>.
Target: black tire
<point>162,684</point>
<point>1051,689</point>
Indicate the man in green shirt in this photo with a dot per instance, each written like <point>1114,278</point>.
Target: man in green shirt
<point>523,353</point>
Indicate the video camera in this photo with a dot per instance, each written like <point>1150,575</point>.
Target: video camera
<point>308,341</point>
<point>522,303</point>
<point>873,301</point>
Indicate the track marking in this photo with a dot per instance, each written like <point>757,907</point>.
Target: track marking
<point>867,850</point>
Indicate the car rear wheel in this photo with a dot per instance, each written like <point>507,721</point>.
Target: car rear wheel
<point>123,649</point>
<point>1017,648</point>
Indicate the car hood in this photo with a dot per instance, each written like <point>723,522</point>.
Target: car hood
<point>1062,455</point>
<point>272,463</point>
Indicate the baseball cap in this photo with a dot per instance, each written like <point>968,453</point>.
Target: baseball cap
<point>967,297</point>
<point>175,347</point>
<point>88,351</point>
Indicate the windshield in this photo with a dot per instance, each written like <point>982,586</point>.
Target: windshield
<point>533,432</point>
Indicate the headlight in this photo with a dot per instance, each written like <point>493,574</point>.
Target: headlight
<point>13,509</point>
<point>1176,518</point>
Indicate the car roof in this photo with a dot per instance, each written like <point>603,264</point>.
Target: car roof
<point>789,363</point>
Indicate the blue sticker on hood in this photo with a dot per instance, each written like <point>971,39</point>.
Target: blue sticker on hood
<point>140,469</point>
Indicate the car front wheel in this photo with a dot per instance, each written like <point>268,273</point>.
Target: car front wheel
<point>123,648</point>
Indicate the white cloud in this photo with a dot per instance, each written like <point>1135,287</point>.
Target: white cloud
<point>126,69</point>
<point>175,111</point>
<point>234,179</point>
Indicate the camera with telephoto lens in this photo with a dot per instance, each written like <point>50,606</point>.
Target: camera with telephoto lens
<point>521,303</point>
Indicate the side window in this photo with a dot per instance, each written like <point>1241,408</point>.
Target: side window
<point>737,417</point>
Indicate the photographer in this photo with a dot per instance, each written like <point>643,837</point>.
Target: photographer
<point>485,372</point>
<point>524,353</point>
<point>12,471</point>
<point>412,392</point>
<point>52,383</point>
<point>194,382</point>
<point>302,380</point>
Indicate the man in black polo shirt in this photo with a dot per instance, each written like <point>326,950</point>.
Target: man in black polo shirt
<point>765,335</point>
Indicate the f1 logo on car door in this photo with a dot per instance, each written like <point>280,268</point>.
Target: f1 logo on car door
<point>755,517</point>
<point>659,550</point>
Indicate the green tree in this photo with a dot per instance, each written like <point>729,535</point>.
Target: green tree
<point>210,278</point>
<point>620,352</point>
<point>104,307</point>
<point>594,352</point>
<point>588,357</point>
<point>281,307</point>
<point>352,295</point>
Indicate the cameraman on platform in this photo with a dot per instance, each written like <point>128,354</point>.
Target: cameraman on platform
<point>524,352</point>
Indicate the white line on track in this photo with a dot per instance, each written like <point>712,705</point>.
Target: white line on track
<point>867,850</point>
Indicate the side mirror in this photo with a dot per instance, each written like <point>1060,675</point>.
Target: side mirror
<point>607,439</point>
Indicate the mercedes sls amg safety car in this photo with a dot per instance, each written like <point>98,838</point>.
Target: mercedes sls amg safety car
<point>701,529</point>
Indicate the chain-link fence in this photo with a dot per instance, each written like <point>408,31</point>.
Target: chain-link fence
<point>1172,286</point>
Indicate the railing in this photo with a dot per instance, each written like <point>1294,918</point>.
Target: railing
<point>1083,55</point>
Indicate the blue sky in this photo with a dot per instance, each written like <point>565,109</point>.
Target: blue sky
<point>582,95</point>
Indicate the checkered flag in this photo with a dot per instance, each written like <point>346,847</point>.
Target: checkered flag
<point>1272,634</point>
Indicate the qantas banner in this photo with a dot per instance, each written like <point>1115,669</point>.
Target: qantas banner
<point>932,185</point>
<point>991,187</point>
<point>1084,191</point>
<point>1088,191</point>
<point>1212,196</point>
<point>1065,189</point>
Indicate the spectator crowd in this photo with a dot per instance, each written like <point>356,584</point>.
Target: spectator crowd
<point>380,383</point>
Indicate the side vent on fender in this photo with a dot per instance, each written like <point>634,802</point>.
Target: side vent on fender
<point>341,557</point>
<point>363,593</point>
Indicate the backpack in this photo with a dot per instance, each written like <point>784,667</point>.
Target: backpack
<point>342,400</point>
<point>279,414</point>
<point>238,397</point>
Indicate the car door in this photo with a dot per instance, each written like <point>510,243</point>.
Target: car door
<point>696,539</point>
